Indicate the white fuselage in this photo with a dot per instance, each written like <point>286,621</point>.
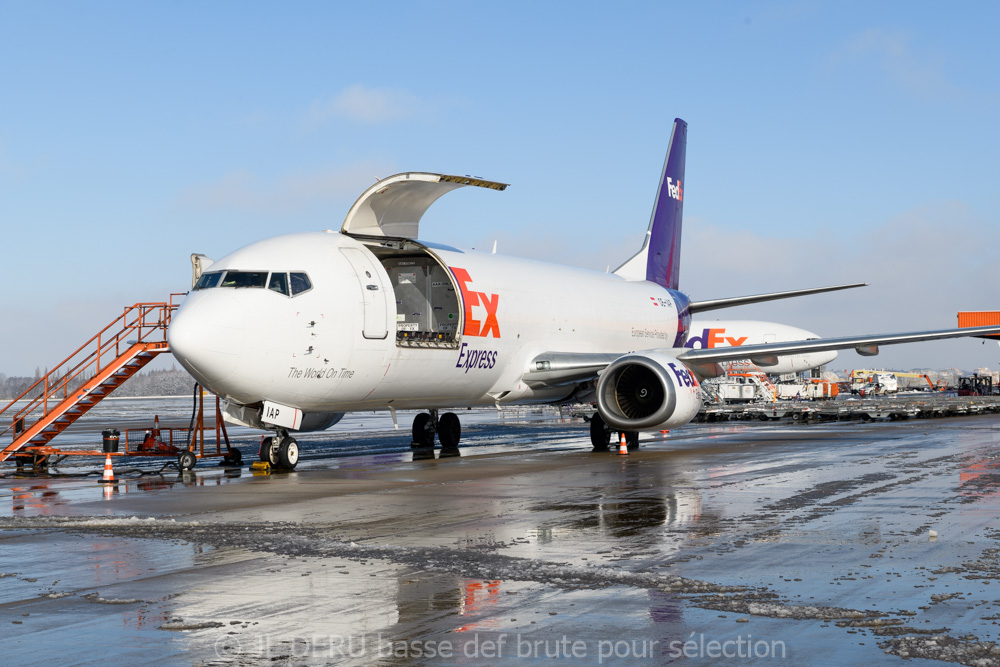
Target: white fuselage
<point>709,334</point>
<point>405,325</point>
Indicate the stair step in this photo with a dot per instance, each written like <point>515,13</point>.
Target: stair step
<point>125,366</point>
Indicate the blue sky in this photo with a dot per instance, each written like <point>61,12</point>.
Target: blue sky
<point>828,142</point>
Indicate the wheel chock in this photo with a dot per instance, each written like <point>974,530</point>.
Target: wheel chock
<point>260,468</point>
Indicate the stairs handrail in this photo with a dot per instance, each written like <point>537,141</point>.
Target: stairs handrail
<point>139,324</point>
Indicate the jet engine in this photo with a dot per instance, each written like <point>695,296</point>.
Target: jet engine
<point>647,391</point>
<point>319,421</point>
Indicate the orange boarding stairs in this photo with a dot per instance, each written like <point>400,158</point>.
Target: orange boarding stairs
<point>76,385</point>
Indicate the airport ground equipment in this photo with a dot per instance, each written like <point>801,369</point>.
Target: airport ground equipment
<point>743,382</point>
<point>931,386</point>
<point>91,373</point>
<point>979,318</point>
<point>187,444</point>
<point>893,408</point>
<point>880,382</point>
<point>976,385</point>
<point>873,383</point>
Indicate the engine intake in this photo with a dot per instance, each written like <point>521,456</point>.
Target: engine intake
<point>647,391</point>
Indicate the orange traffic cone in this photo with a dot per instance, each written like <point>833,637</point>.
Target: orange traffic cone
<point>623,447</point>
<point>109,472</point>
<point>156,426</point>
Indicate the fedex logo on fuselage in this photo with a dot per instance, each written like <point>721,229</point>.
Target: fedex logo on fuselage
<point>674,190</point>
<point>711,338</point>
<point>488,326</point>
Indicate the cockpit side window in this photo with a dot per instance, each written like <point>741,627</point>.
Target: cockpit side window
<point>208,280</point>
<point>299,283</point>
<point>279,283</point>
<point>245,279</point>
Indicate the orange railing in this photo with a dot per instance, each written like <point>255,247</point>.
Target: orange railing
<point>139,323</point>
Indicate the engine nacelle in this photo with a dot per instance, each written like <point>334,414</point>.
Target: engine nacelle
<point>647,391</point>
<point>319,421</point>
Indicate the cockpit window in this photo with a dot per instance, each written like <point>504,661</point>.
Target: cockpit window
<point>208,280</point>
<point>245,279</point>
<point>289,284</point>
<point>279,283</point>
<point>300,283</point>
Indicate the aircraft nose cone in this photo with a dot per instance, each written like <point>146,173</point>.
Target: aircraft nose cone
<point>206,337</point>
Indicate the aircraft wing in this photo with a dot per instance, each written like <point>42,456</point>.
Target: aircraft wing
<point>767,354</point>
<point>715,304</point>
<point>556,369</point>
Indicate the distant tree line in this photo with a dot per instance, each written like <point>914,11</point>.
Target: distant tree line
<point>167,382</point>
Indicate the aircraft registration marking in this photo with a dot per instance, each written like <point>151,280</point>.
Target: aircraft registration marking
<point>281,415</point>
<point>666,302</point>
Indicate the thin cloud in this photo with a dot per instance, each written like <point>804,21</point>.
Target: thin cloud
<point>362,104</point>
<point>243,191</point>
<point>894,54</point>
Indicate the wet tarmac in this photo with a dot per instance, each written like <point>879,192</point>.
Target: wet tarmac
<point>758,543</point>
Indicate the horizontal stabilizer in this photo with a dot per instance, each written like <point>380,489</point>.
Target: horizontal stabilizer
<point>715,304</point>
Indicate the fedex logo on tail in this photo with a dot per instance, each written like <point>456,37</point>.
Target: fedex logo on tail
<point>674,190</point>
<point>711,338</point>
<point>488,326</point>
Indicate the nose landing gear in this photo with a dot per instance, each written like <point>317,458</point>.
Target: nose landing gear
<point>281,451</point>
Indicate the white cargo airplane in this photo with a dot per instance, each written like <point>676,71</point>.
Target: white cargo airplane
<point>297,330</point>
<point>735,333</point>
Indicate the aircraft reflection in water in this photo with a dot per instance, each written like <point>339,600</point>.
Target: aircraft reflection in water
<point>295,331</point>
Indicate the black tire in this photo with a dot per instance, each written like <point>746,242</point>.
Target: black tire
<point>423,434</point>
<point>187,460</point>
<point>233,458</point>
<point>449,430</point>
<point>600,433</point>
<point>288,454</point>
<point>267,453</point>
<point>632,440</point>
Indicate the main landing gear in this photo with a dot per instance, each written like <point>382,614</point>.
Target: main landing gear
<point>600,435</point>
<point>281,451</point>
<point>427,425</point>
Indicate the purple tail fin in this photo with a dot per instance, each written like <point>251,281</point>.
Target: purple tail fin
<point>663,259</point>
